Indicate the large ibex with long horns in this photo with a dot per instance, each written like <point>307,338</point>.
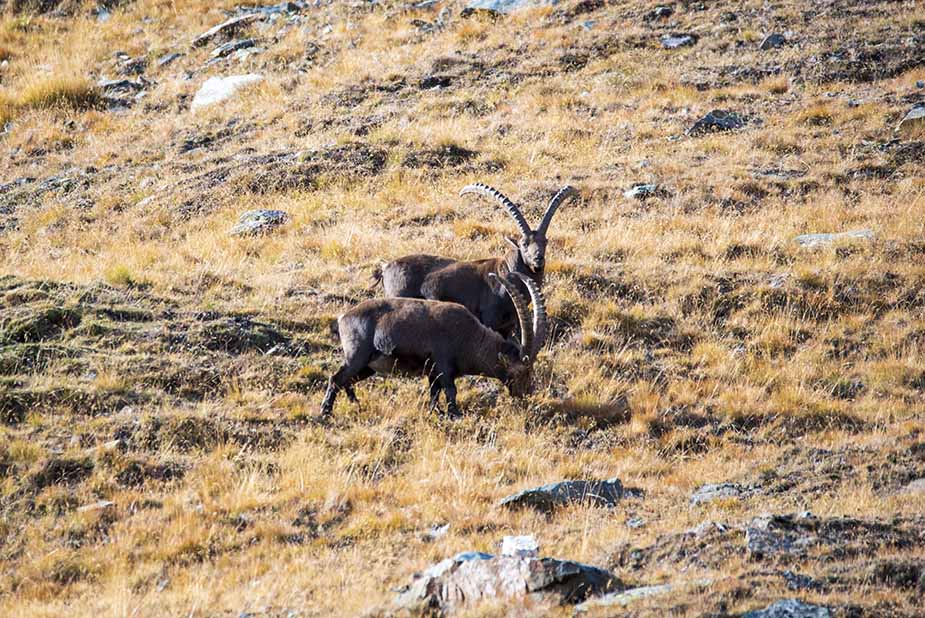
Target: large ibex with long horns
<point>415,337</point>
<point>470,283</point>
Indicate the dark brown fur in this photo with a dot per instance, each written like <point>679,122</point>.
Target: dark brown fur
<point>469,283</point>
<point>441,340</point>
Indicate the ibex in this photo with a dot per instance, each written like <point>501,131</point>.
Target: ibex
<point>409,336</point>
<point>471,283</point>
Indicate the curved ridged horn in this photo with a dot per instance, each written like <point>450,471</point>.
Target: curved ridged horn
<point>563,194</point>
<point>539,315</point>
<point>511,208</point>
<point>520,306</point>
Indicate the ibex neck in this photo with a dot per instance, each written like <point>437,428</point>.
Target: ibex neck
<point>489,347</point>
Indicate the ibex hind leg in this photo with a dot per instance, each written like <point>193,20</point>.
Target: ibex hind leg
<point>348,375</point>
<point>348,388</point>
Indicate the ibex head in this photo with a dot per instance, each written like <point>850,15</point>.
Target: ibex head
<point>532,243</point>
<point>517,360</point>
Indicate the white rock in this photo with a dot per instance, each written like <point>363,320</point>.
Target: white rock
<point>218,89</point>
<point>96,506</point>
<point>817,240</point>
<point>520,546</point>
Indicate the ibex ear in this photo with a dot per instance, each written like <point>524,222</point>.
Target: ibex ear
<point>511,242</point>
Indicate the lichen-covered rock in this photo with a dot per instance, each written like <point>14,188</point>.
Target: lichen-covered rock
<point>709,493</point>
<point>810,241</point>
<point>547,497</point>
<point>913,122</point>
<point>473,577</point>
<point>790,608</point>
<point>260,221</point>
<point>716,121</point>
<point>226,27</point>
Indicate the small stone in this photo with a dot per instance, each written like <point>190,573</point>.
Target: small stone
<point>716,121</point>
<point>96,506</point>
<point>641,191</point>
<point>232,46</point>
<point>773,41</point>
<point>226,27</point>
<point>167,59</point>
<point>435,532</point>
<point>110,86</point>
<point>914,122</point>
<point>435,81</point>
<point>545,498</point>
<point>260,221</point>
<point>635,523</point>
<point>504,6</point>
<point>659,12</point>
<point>709,493</point>
<point>796,581</point>
<point>809,241</point>
<point>520,546</point>
<point>218,89</point>
<point>133,66</point>
<point>790,608</point>
<point>915,487</point>
<point>674,41</point>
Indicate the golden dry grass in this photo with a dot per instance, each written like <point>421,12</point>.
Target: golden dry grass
<point>696,342</point>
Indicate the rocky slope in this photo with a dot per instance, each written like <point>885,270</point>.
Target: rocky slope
<point>738,303</point>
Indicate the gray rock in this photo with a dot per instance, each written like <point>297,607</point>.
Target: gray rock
<point>716,121</point>
<point>133,66</point>
<point>505,6</point>
<point>635,523</point>
<point>641,191</point>
<point>674,41</point>
<point>473,577</point>
<point>790,608</point>
<point>225,28</point>
<point>797,581</point>
<point>915,487</point>
<point>659,12</point>
<point>810,241</point>
<point>255,222</point>
<point>634,594</point>
<point>217,89</point>
<point>283,8</point>
<point>435,532</point>
<point>120,86</point>
<point>769,535</point>
<point>231,46</point>
<point>914,122</point>
<point>773,41</point>
<point>547,497</point>
<point>167,59</point>
<point>709,493</point>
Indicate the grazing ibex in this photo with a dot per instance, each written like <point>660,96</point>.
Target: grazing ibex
<point>470,283</point>
<point>409,336</point>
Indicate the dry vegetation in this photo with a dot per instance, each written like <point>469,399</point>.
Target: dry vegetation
<point>149,359</point>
